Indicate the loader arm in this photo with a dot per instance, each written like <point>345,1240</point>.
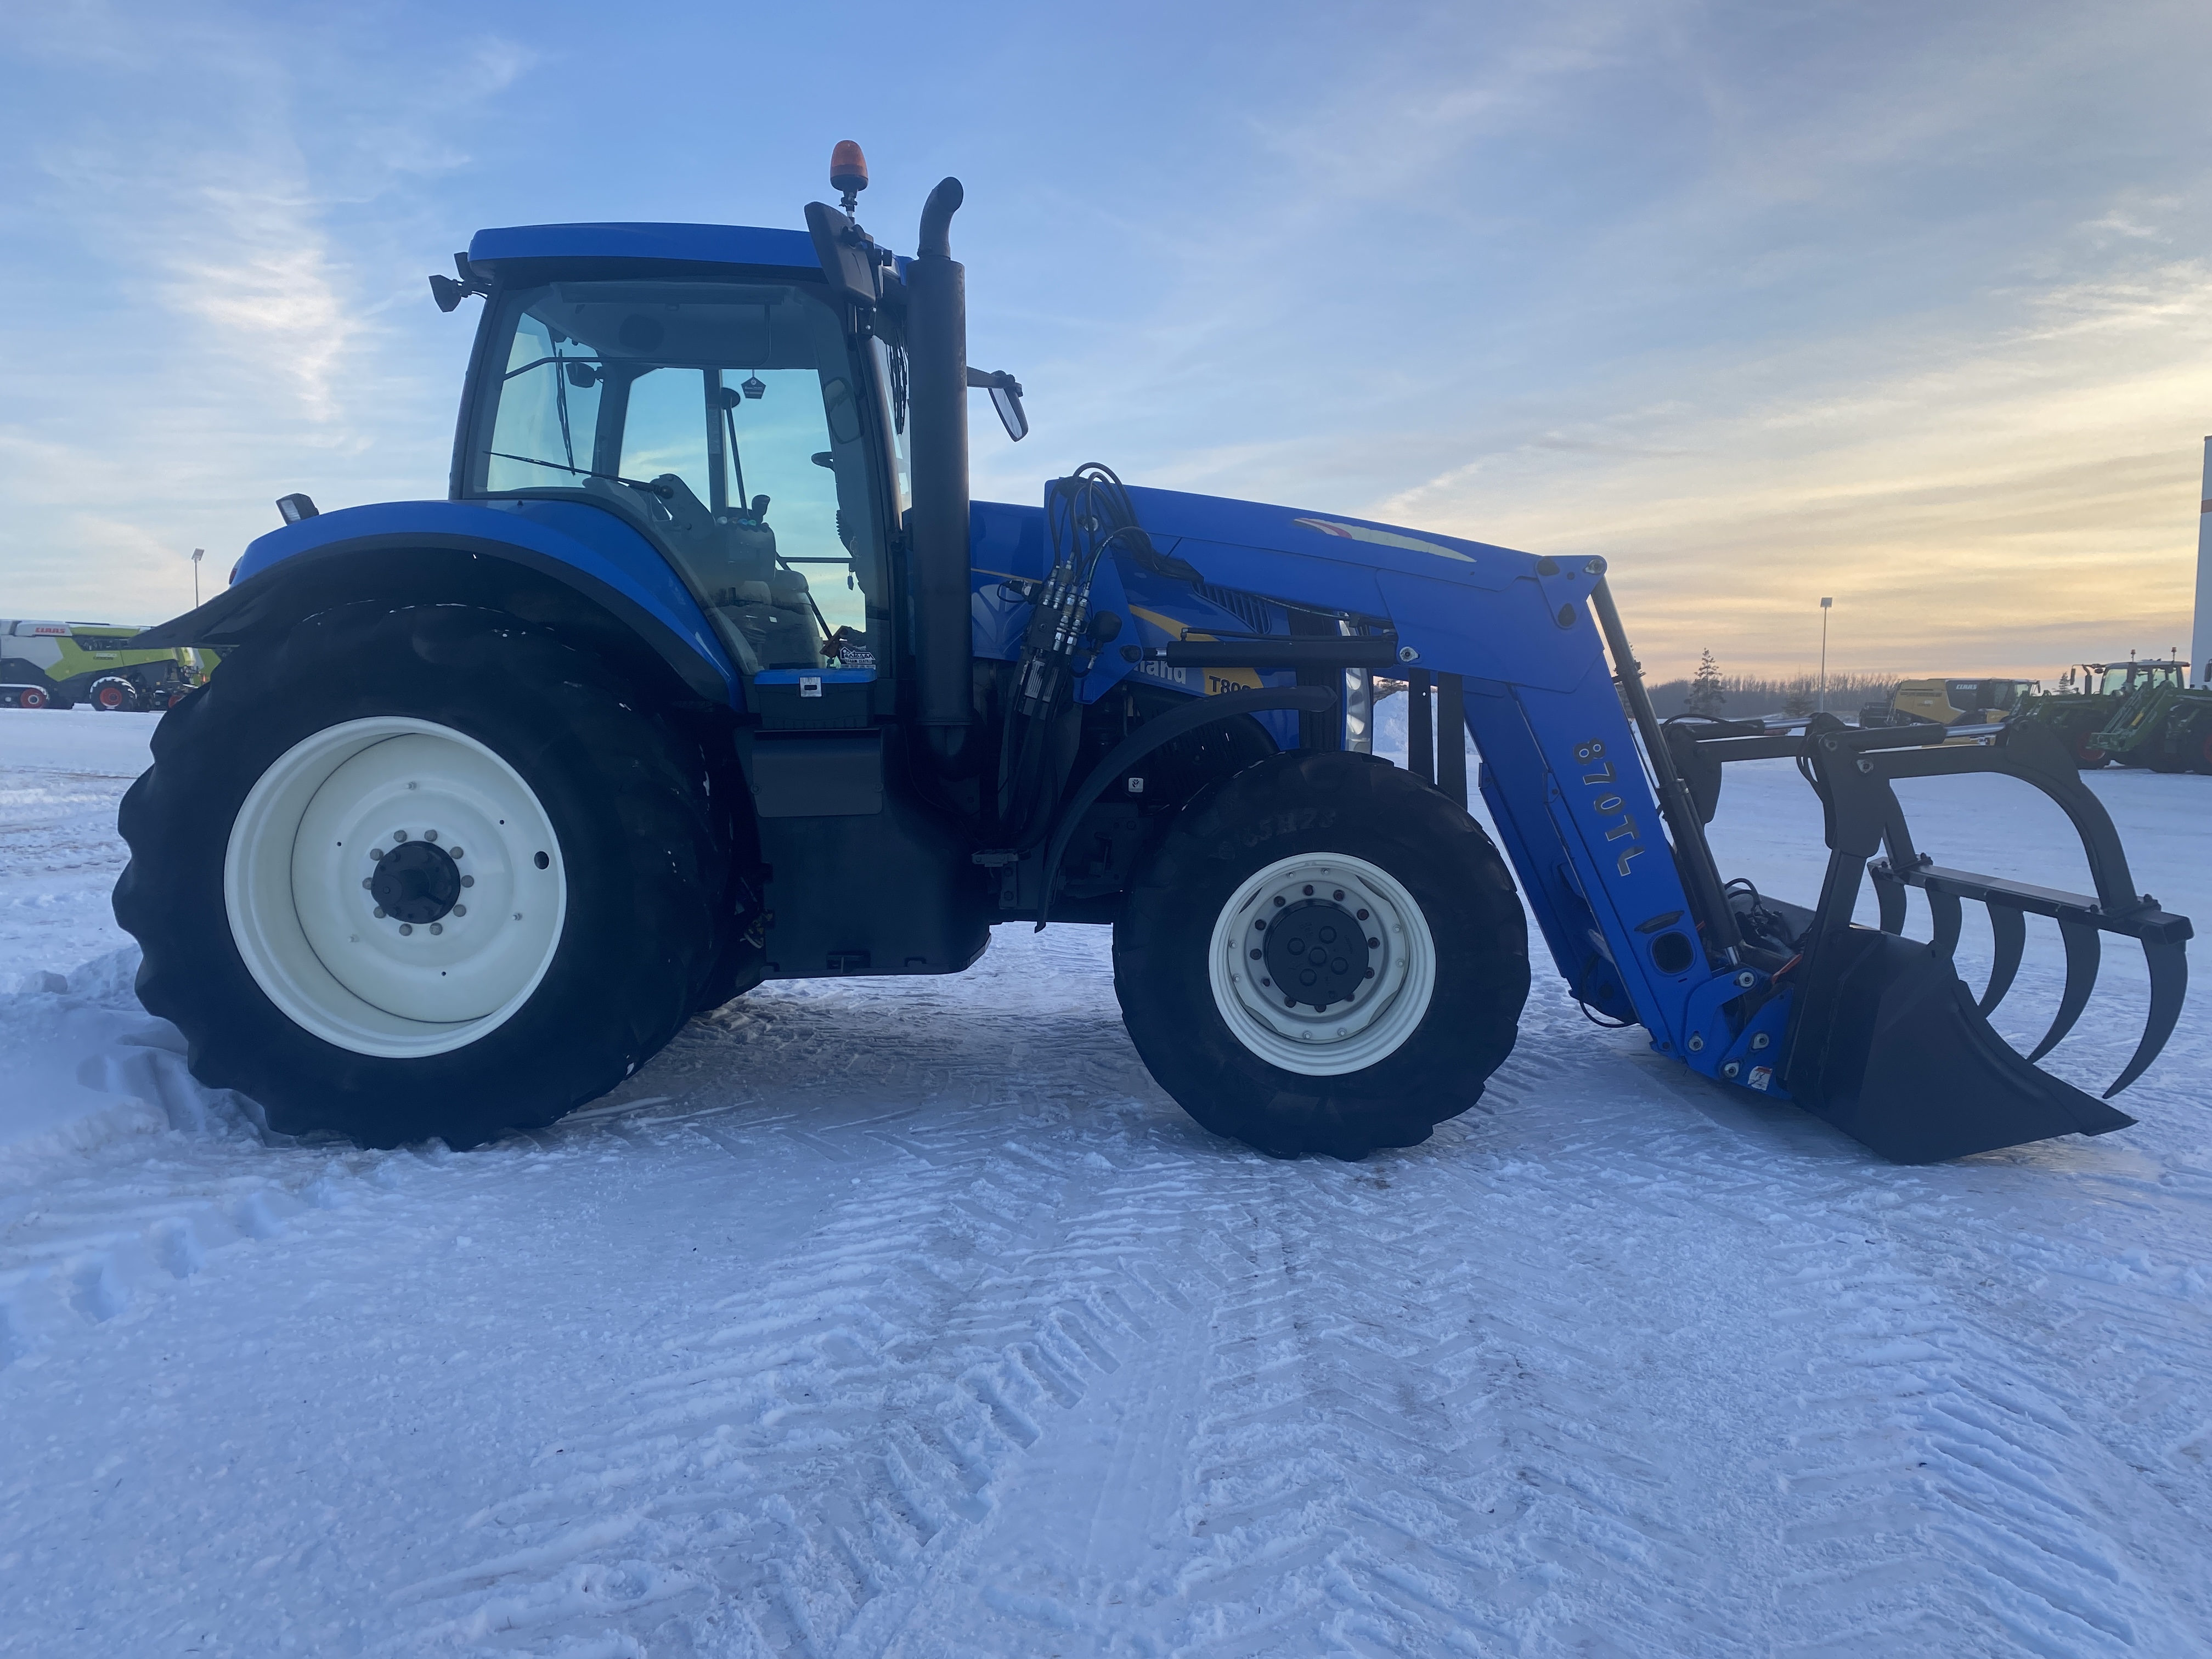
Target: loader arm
<point>1601,811</point>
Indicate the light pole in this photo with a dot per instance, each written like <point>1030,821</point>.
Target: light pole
<point>198,553</point>
<point>1825,605</point>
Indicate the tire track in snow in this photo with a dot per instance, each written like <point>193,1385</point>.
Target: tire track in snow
<point>827,1436</point>
<point>177,1180</point>
<point>1950,1498</point>
<point>1379,1461</point>
<point>1557,1401</point>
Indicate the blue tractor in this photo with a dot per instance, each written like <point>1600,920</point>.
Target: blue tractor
<point>708,672</point>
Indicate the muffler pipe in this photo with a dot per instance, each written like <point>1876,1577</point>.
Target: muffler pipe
<point>937,372</point>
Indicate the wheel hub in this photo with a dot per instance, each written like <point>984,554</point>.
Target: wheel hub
<point>395,886</point>
<point>1322,964</point>
<point>416,882</point>
<point>1317,951</point>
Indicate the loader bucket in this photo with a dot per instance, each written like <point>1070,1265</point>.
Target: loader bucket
<point>1898,1056</point>
<point>1885,1039</point>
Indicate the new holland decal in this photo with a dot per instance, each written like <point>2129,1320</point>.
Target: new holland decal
<point>1365,532</point>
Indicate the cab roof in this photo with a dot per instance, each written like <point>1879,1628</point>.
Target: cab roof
<point>720,245</point>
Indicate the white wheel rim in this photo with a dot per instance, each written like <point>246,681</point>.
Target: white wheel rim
<point>296,887</point>
<point>1386,1004</point>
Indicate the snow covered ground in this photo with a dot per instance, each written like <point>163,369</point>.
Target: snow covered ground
<point>911,1318</point>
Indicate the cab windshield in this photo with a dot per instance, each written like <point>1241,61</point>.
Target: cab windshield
<point>723,420</point>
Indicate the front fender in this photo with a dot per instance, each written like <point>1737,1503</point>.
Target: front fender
<point>564,563</point>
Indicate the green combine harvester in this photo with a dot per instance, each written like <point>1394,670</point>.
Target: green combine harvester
<point>57,665</point>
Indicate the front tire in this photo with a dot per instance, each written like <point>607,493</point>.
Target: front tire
<point>415,873</point>
<point>1322,954</point>
<point>114,693</point>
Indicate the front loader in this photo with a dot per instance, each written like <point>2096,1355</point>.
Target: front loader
<point>2161,723</point>
<point>709,672</point>
<point>2088,696</point>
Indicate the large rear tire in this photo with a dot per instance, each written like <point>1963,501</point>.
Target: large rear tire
<point>423,873</point>
<point>1322,954</point>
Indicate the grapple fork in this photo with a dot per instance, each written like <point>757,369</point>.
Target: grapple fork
<point>1884,1040</point>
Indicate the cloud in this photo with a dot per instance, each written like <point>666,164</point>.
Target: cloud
<point>218,216</point>
<point>1971,493</point>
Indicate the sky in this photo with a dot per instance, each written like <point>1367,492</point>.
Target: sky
<point>1907,304</point>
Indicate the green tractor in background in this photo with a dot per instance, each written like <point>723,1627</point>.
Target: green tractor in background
<point>59,664</point>
<point>2090,697</point>
<point>2162,725</point>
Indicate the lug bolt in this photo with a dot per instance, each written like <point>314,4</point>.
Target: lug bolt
<point>1374,944</point>
<point>468,881</point>
<point>429,835</point>
<point>1290,1002</point>
<point>1360,916</point>
<point>1267,981</point>
<point>1255,956</point>
<point>460,909</point>
<point>366,882</point>
<point>1309,889</point>
<point>1371,973</point>
<point>457,852</point>
<point>1280,901</point>
<point>1338,894</point>
<point>406,928</point>
<point>399,834</point>
<point>380,913</point>
<point>437,926</point>
<point>376,852</point>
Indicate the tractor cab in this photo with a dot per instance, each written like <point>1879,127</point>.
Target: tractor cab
<point>2125,679</point>
<point>724,411</point>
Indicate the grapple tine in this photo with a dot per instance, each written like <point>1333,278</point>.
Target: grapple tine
<point>2008,929</point>
<point>2082,950</point>
<point>2169,983</point>
<point>1944,907</point>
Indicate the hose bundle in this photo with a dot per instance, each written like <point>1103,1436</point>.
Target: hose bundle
<point>1085,513</point>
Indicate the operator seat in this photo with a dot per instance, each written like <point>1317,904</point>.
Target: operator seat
<point>732,561</point>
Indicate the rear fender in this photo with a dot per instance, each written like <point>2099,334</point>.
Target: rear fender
<point>574,568</point>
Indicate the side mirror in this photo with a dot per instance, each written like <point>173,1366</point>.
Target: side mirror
<point>1006,398</point>
<point>847,254</point>
<point>449,293</point>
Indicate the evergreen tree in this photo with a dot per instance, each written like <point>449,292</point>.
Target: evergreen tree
<point>1705,694</point>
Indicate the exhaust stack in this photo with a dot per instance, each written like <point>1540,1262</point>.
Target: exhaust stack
<point>936,358</point>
